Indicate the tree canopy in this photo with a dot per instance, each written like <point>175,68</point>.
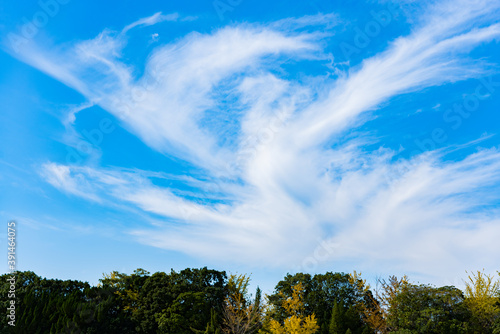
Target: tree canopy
<point>206,301</point>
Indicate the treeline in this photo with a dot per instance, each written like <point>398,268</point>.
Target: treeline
<point>207,301</point>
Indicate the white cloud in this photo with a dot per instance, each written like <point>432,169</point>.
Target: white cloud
<point>151,20</point>
<point>66,179</point>
<point>70,115</point>
<point>274,189</point>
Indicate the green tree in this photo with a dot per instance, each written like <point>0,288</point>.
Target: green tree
<point>179,302</point>
<point>212,327</point>
<point>376,309</point>
<point>337,325</point>
<point>56,306</point>
<point>320,293</point>
<point>426,309</point>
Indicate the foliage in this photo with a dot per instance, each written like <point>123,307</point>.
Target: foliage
<point>180,302</point>
<point>376,309</point>
<point>387,296</point>
<point>426,309</point>
<point>321,291</point>
<point>496,326</point>
<point>241,316</point>
<point>56,306</point>
<point>212,327</point>
<point>121,303</point>
<point>337,325</point>
<point>481,292</point>
<point>296,322</point>
<point>205,301</point>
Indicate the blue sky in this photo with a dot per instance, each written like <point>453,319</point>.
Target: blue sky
<point>257,137</point>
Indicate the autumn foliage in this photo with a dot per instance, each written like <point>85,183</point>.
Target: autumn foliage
<point>204,301</point>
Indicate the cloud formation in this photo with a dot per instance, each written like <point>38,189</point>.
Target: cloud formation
<point>270,183</point>
<point>151,20</point>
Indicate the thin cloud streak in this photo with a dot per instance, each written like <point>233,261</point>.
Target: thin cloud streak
<point>151,20</point>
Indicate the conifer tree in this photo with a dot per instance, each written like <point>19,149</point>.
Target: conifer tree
<point>212,327</point>
<point>337,325</point>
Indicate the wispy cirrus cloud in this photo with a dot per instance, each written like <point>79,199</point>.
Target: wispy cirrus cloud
<point>151,20</point>
<point>164,106</point>
<point>271,183</point>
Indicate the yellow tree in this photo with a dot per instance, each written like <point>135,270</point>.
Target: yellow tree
<point>481,291</point>
<point>240,315</point>
<point>117,281</point>
<point>296,322</point>
<point>376,313</point>
<point>374,316</point>
<point>126,286</point>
